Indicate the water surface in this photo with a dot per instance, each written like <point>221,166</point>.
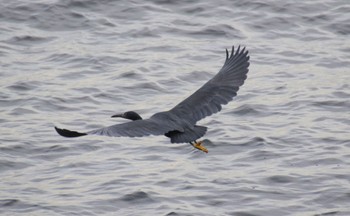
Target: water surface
<point>282,147</point>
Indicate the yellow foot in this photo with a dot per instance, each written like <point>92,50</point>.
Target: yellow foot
<point>198,145</point>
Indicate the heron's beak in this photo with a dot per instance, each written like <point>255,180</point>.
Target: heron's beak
<point>198,145</point>
<point>117,115</point>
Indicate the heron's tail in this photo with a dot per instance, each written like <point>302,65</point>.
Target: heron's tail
<point>69,133</point>
<point>187,136</point>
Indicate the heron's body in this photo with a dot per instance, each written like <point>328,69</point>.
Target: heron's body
<point>179,123</point>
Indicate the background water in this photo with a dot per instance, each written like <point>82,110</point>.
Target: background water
<point>282,147</point>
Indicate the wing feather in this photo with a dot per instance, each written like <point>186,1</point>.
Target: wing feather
<point>137,128</point>
<point>218,91</point>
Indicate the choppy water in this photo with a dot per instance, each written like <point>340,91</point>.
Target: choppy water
<point>282,147</point>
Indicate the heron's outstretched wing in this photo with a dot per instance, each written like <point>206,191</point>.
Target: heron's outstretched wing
<point>217,91</point>
<point>137,128</point>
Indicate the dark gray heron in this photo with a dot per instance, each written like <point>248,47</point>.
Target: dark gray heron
<point>179,123</point>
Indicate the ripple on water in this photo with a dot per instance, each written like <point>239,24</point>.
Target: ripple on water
<point>218,31</point>
<point>6,165</point>
<point>24,85</point>
<point>281,179</point>
<point>18,204</point>
<point>250,110</point>
<point>137,197</point>
<point>29,40</point>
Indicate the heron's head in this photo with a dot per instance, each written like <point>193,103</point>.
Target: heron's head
<point>131,115</point>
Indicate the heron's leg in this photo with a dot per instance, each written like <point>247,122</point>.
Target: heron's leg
<point>198,145</point>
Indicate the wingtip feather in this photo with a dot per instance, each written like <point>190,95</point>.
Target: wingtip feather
<point>68,133</point>
<point>232,51</point>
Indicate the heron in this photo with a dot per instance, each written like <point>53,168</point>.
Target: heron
<point>179,123</point>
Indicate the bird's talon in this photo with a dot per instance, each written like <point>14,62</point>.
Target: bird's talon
<point>198,145</point>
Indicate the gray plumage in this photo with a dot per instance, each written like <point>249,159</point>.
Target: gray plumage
<point>179,123</point>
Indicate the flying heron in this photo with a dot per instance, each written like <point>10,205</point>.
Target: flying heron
<point>179,123</point>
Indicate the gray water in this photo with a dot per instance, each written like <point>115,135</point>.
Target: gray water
<point>281,147</point>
